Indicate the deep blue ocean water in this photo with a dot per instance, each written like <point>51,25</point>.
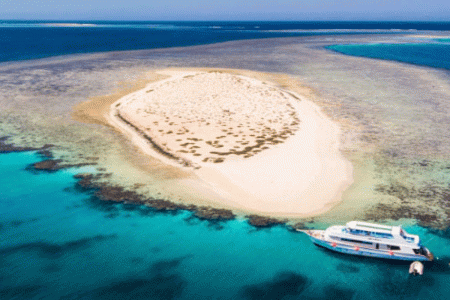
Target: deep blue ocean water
<point>60,243</point>
<point>22,40</point>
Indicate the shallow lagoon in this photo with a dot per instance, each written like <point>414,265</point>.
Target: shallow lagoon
<point>436,55</point>
<point>57,242</point>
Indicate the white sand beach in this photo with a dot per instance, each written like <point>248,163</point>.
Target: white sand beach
<point>250,145</point>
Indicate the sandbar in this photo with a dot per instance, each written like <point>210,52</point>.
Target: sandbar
<point>250,144</point>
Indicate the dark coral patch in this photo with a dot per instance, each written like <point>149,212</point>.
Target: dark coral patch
<point>347,268</point>
<point>283,286</point>
<point>161,282</point>
<point>264,222</point>
<point>106,193</point>
<point>8,148</point>
<point>48,165</point>
<point>158,287</point>
<point>209,213</point>
<point>53,250</point>
<point>428,204</point>
<point>165,266</point>
<point>20,292</point>
<point>17,223</point>
<point>393,282</point>
<point>52,165</point>
<point>334,293</point>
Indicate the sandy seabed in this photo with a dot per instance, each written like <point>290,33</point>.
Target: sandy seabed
<point>250,144</point>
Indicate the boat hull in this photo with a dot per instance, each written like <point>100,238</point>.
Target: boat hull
<point>352,250</point>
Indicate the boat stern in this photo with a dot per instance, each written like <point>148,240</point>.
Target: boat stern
<point>429,255</point>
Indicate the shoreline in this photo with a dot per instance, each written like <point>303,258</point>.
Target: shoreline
<point>221,183</point>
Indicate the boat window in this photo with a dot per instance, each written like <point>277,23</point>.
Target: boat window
<point>382,235</point>
<point>409,239</point>
<point>374,234</point>
<point>393,247</point>
<point>420,251</point>
<point>356,241</point>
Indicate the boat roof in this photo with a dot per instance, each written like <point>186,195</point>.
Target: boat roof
<point>374,227</point>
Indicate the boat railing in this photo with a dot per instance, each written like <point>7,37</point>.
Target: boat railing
<point>369,233</point>
<point>390,252</point>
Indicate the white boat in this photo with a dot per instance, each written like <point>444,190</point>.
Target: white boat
<point>373,240</point>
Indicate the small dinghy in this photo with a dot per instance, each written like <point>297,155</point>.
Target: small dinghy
<point>416,268</point>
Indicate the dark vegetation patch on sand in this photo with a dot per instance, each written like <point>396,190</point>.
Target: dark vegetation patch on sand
<point>155,146</point>
<point>260,143</point>
<point>271,127</point>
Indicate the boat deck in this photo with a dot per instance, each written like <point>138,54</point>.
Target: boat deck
<point>318,237</point>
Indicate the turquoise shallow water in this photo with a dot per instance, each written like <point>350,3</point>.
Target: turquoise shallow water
<point>59,243</point>
<point>436,55</point>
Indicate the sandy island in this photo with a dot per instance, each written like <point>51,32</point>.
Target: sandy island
<point>249,144</point>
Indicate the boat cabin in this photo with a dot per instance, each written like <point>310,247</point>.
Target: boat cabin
<point>381,231</point>
<point>377,237</point>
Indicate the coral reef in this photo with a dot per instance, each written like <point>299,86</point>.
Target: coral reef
<point>264,222</point>
<point>8,148</point>
<point>107,192</point>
